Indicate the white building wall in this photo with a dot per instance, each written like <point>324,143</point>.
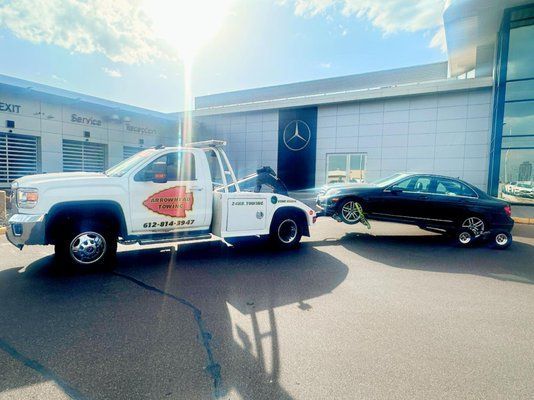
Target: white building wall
<point>444,133</point>
<point>252,138</point>
<point>51,121</point>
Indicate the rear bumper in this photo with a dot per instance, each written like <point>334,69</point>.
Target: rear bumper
<point>26,229</point>
<point>501,222</point>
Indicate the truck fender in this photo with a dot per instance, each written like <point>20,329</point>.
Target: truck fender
<point>301,214</point>
<point>78,210</point>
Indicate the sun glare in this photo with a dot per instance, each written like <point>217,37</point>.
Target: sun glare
<point>187,25</point>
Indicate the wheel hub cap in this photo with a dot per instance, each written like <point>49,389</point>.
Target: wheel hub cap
<point>287,231</point>
<point>465,238</point>
<point>350,211</point>
<point>87,247</point>
<point>475,224</point>
<point>501,239</point>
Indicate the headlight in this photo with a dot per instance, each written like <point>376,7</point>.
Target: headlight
<point>27,198</point>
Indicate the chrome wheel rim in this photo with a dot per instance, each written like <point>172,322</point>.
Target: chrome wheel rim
<point>87,247</point>
<point>475,224</point>
<point>501,239</point>
<point>350,212</point>
<point>464,238</point>
<point>287,231</point>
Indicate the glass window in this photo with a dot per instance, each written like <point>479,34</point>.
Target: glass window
<point>517,141</point>
<point>422,184</point>
<point>357,167</point>
<point>512,146</point>
<point>518,118</point>
<point>124,166</point>
<point>450,187</point>
<point>520,90</point>
<point>215,168</point>
<point>406,184</point>
<point>389,179</point>
<point>180,167</point>
<point>418,184</point>
<point>521,49</point>
<point>516,177</point>
<point>345,168</point>
<point>336,168</point>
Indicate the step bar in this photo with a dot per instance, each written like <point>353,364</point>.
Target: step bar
<point>172,238</point>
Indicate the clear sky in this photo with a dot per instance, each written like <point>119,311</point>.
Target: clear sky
<point>121,50</point>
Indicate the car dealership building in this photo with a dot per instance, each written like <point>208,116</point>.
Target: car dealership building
<point>471,116</point>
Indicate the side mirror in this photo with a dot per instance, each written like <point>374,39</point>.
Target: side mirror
<point>158,173</point>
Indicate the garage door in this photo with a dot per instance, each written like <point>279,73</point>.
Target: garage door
<point>19,156</point>
<point>83,156</point>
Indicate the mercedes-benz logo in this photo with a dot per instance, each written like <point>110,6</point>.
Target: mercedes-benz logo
<point>297,135</point>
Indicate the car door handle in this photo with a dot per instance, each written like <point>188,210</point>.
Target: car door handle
<point>196,188</point>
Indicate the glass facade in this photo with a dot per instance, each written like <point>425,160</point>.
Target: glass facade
<point>345,168</point>
<point>512,151</point>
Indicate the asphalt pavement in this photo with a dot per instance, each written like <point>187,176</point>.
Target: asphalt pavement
<point>391,313</point>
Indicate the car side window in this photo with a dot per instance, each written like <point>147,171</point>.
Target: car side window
<point>414,184</point>
<point>180,166</point>
<point>451,187</point>
<point>405,184</point>
<point>422,184</point>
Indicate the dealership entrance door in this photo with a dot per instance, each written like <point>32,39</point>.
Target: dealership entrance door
<point>297,142</point>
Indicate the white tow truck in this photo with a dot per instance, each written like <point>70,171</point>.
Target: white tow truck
<point>160,195</point>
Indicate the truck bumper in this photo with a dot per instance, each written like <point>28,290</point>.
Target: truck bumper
<point>26,229</point>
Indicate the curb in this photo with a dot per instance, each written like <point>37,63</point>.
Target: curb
<point>3,230</point>
<point>521,220</point>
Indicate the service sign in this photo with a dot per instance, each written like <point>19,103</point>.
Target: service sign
<point>173,202</point>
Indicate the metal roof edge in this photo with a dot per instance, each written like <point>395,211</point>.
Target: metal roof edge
<point>71,96</point>
<point>444,85</point>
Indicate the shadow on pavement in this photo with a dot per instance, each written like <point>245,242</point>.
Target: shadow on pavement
<point>438,253</point>
<point>102,335</point>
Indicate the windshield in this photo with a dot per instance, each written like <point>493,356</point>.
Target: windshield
<point>124,166</point>
<point>389,180</point>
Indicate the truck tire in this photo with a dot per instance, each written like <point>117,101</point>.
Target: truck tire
<point>286,231</point>
<point>86,246</point>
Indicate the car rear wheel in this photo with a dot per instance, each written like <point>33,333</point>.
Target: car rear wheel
<point>501,240</point>
<point>349,211</point>
<point>86,246</point>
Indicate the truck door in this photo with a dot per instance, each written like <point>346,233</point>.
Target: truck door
<point>170,194</point>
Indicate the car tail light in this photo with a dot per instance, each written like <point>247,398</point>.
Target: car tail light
<point>508,210</point>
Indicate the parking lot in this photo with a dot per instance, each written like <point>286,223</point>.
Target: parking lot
<point>394,312</point>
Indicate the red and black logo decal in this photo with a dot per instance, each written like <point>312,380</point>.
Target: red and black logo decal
<point>173,202</point>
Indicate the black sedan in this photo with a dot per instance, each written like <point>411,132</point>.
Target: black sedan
<point>436,203</point>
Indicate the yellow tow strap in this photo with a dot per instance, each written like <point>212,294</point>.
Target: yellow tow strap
<point>363,220</point>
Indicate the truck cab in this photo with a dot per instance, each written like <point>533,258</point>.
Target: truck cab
<point>160,195</point>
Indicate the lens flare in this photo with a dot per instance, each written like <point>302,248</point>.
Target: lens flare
<point>185,26</point>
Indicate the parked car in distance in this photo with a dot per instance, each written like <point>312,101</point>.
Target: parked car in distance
<point>437,203</point>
